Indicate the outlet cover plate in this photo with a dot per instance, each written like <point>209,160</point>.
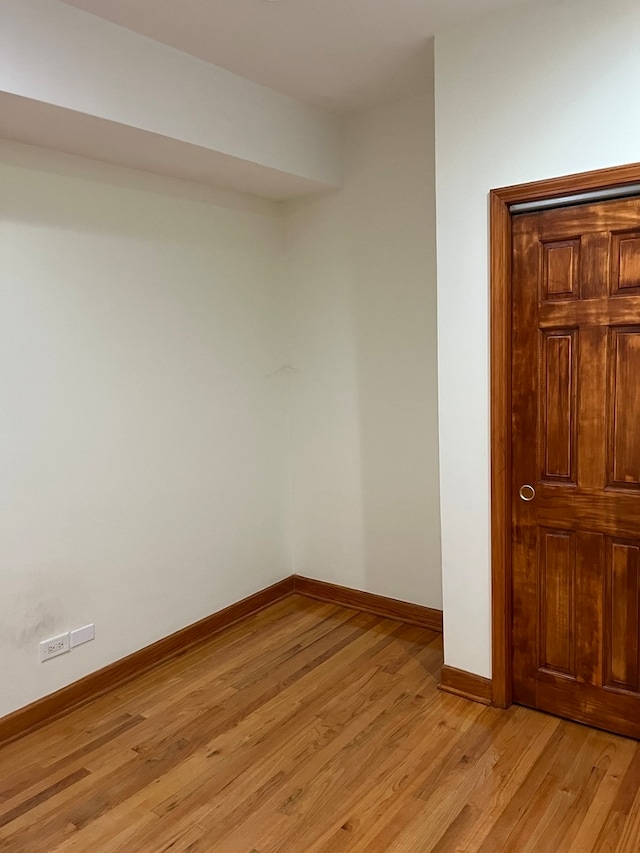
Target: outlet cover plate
<point>54,646</point>
<point>83,635</point>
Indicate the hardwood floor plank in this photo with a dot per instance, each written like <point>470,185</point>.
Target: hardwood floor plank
<point>628,842</point>
<point>591,779</point>
<point>312,728</point>
<point>514,760</point>
<point>331,735</point>
<point>621,806</point>
<point>534,797</point>
<point>614,760</point>
<point>568,789</point>
<point>284,748</point>
<point>376,810</point>
<point>449,785</point>
<point>199,766</point>
<point>35,800</point>
<point>382,759</point>
<point>307,794</point>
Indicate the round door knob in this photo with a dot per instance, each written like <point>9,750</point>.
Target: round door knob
<point>527,492</point>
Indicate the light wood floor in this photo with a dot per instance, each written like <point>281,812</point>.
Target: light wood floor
<point>311,727</point>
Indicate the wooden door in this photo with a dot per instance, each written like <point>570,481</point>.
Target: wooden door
<point>576,443</point>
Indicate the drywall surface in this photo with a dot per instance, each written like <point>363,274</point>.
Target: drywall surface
<point>360,271</point>
<point>59,56</point>
<point>540,91</point>
<point>143,448</point>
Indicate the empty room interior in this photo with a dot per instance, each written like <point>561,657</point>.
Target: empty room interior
<point>320,405</point>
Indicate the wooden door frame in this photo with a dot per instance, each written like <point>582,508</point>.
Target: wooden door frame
<point>500,307</point>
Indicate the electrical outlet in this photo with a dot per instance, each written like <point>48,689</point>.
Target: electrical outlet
<point>83,635</point>
<point>55,646</point>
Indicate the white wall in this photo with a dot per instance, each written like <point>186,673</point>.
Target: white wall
<point>360,268</point>
<point>62,56</point>
<point>544,90</point>
<point>143,468</point>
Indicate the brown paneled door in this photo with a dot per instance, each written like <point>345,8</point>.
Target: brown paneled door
<point>576,463</point>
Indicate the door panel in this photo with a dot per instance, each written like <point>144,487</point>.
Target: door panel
<point>557,575</point>
<point>558,406</point>
<point>624,411</point>
<point>621,605</point>
<point>625,263</point>
<point>561,263</point>
<point>576,441</point>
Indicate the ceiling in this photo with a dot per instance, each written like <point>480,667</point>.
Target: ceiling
<point>336,54</point>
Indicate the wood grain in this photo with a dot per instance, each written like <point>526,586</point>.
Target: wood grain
<point>558,416</point>
<point>391,608</point>
<point>624,435</point>
<point>94,684</point>
<point>585,469</point>
<point>466,684</point>
<point>98,682</point>
<point>625,271</point>
<point>312,728</point>
<point>501,595</point>
<point>579,182</point>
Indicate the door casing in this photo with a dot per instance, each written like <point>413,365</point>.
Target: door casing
<point>500,308</point>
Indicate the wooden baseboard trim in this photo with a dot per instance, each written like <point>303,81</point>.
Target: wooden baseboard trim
<point>380,605</point>
<point>466,684</point>
<point>96,683</point>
